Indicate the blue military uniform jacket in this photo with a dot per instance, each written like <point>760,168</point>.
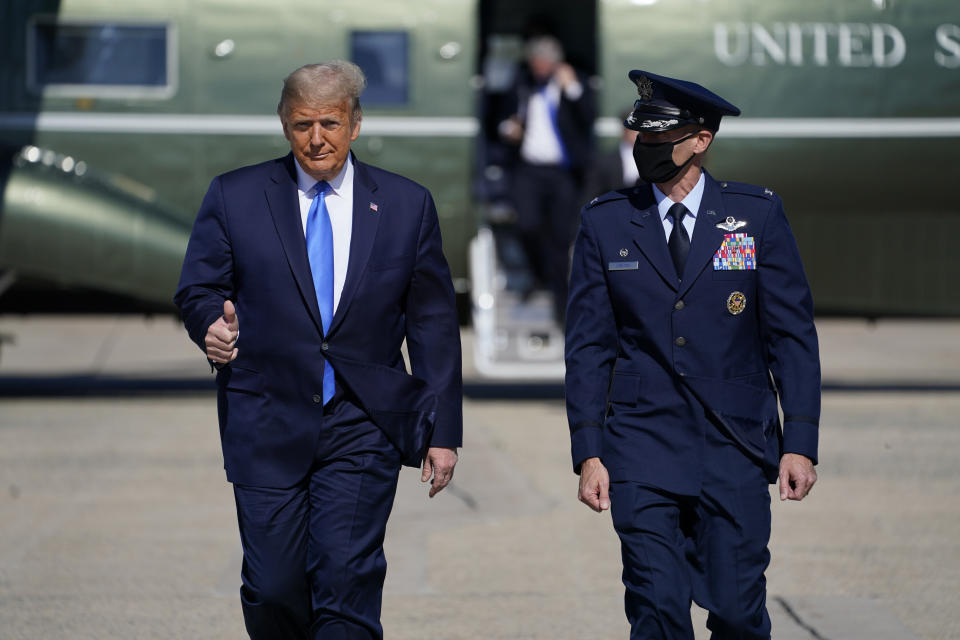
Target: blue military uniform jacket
<point>653,360</point>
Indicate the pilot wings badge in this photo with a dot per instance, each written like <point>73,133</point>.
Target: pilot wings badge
<point>730,224</point>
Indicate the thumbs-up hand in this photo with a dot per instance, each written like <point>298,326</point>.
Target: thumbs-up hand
<point>230,316</point>
<point>222,335</point>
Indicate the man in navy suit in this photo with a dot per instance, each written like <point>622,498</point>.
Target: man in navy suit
<point>551,128</point>
<point>689,314</point>
<point>302,278</point>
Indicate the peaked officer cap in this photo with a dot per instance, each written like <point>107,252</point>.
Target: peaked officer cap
<point>668,103</point>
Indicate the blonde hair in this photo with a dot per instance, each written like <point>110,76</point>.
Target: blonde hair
<point>334,81</point>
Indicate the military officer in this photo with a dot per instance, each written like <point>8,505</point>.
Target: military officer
<point>689,315</point>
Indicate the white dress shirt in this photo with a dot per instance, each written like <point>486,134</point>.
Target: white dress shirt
<point>541,140</point>
<point>339,201</point>
<point>691,202</point>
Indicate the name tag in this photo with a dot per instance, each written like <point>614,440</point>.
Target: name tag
<point>623,266</point>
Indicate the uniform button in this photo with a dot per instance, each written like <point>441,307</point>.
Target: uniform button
<point>324,346</point>
<point>678,305</point>
<point>680,341</point>
<point>317,398</point>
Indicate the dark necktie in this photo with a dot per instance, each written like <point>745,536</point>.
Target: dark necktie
<point>319,237</point>
<point>679,241</point>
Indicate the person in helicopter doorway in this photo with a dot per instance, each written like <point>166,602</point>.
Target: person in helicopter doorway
<point>551,128</point>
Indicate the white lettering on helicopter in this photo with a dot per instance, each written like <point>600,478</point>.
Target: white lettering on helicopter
<point>948,39</point>
<point>847,44</point>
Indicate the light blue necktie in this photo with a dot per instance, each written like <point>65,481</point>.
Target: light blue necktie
<point>320,252</point>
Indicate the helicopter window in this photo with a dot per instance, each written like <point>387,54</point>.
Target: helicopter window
<point>101,59</point>
<point>383,57</point>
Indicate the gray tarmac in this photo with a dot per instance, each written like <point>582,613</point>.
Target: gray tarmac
<point>116,520</point>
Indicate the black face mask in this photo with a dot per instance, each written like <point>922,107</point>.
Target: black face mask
<point>655,160</point>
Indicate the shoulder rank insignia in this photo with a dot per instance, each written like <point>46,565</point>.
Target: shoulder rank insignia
<point>607,197</point>
<point>730,224</point>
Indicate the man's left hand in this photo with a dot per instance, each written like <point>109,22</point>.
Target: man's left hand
<point>439,463</point>
<point>797,476</point>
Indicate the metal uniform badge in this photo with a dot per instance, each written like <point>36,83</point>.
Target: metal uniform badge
<point>736,303</point>
<point>624,253</point>
<point>644,88</point>
<point>731,224</point>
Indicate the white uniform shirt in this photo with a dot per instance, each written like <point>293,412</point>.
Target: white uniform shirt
<point>339,201</point>
<point>691,202</point>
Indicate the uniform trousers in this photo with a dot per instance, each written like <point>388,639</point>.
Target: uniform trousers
<point>710,549</point>
<point>313,561</point>
<point>546,199</point>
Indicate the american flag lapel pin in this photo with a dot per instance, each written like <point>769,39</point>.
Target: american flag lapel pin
<point>374,207</point>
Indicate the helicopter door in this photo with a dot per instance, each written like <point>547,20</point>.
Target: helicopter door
<point>516,333</point>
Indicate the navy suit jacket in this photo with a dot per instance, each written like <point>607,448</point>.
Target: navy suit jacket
<point>652,360</point>
<point>248,246</point>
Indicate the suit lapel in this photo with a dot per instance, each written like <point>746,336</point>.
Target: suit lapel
<point>707,237</point>
<point>649,236</point>
<point>367,211</point>
<point>281,194</point>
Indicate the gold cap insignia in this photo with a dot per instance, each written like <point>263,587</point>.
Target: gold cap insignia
<point>736,303</point>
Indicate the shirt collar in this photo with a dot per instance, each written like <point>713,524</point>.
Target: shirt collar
<point>691,202</point>
<point>305,181</point>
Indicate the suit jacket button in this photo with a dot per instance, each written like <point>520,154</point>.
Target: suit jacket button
<point>324,346</point>
<point>680,341</point>
<point>678,305</point>
<point>317,398</point>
